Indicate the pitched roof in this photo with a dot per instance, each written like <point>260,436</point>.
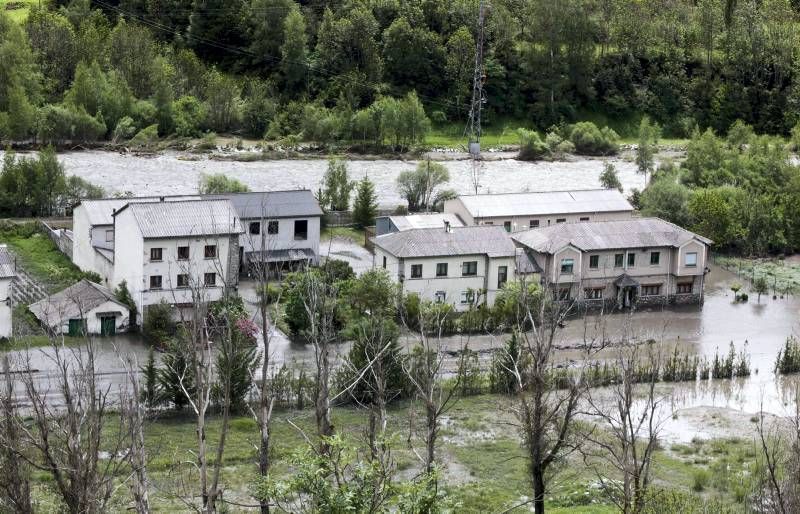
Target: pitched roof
<point>432,220</point>
<point>490,240</point>
<point>101,212</point>
<point>75,301</point>
<point>185,218</point>
<point>6,263</point>
<point>545,202</point>
<point>607,235</point>
<point>273,204</point>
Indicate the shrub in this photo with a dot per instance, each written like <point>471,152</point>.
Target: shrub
<point>788,360</point>
<point>531,146</point>
<point>58,123</point>
<point>188,114</point>
<point>125,129</point>
<point>590,140</point>
<point>146,136</point>
<point>700,480</point>
<point>159,326</point>
<point>219,183</point>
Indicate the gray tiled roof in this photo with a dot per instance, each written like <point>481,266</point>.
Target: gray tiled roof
<point>488,240</point>
<point>273,204</point>
<point>607,235</point>
<point>101,212</point>
<point>185,218</point>
<point>546,202</point>
<point>432,220</point>
<point>74,301</point>
<point>6,263</point>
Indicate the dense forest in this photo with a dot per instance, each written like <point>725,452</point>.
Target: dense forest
<point>379,71</point>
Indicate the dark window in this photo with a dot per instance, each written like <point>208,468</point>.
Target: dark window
<point>440,296</point>
<point>156,254</point>
<point>585,219</point>
<point>441,269</point>
<point>469,268</point>
<point>211,251</point>
<point>210,279</point>
<point>685,288</point>
<point>300,230</point>
<point>183,280</point>
<point>655,258</point>
<point>255,227</point>
<point>502,276</point>
<point>384,262</point>
<point>593,293</point>
<point>561,220</point>
<point>468,296</point>
<point>631,260</point>
<point>183,253</point>
<point>416,271</point>
<point>619,258</point>
<point>651,290</point>
<point>567,266</point>
<point>155,281</point>
<point>272,227</point>
<point>533,223</point>
<point>562,293</point>
<point>594,261</point>
<point>507,226</point>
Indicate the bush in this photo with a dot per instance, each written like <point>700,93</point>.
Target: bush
<point>159,326</point>
<point>590,140</point>
<point>531,146</point>
<point>700,480</point>
<point>58,123</point>
<point>146,136</point>
<point>188,114</point>
<point>219,183</point>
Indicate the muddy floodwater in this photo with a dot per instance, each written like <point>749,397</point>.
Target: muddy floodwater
<point>169,173</point>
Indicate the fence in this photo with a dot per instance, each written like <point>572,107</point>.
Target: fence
<point>61,237</point>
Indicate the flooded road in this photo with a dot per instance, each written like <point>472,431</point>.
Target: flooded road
<point>170,173</point>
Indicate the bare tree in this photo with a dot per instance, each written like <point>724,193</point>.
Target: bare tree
<point>15,489</point>
<point>133,413</point>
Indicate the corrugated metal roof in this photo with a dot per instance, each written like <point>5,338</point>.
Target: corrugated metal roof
<point>273,204</point>
<point>607,235</point>
<point>429,242</point>
<point>101,212</point>
<point>73,302</point>
<point>185,218</point>
<point>7,268</point>
<point>432,220</point>
<point>547,202</point>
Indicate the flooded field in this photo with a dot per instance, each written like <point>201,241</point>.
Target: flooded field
<point>169,173</point>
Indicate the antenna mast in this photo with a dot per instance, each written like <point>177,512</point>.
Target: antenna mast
<point>477,88</point>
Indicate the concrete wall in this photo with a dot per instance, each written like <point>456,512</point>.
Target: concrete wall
<point>284,239</point>
<point>82,251</point>
<point>5,310</point>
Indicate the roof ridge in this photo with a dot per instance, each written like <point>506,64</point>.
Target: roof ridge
<point>542,192</point>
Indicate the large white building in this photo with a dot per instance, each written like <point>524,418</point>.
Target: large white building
<point>7,274</point>
<point>170,250</point>
<point>523,211</point>
<point>456,265</point>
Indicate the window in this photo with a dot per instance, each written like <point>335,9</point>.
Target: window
<point>561,220</point>
<point>507,226</point>
<point>300,230</point>
<point>416,271</point>
<point>156,254</point>
<point>210,279</point>
<point>566,266</point>
<point>440,296</point>
<point>685,288</point>
<point>255,228</point>
<point>533,224</point>
<point>441,269</point>
<point>585,219</point>
<point>631,260</point>
<point>618,259</point>
<point>562,294</point>
<point>155,281</point>
<point>273,227</point>
<point>183,253</point>
<point>468,296</point>
<point>594,261</point>
<point>502,276</point>
<point>384,262</point>
<point>211,251</point>
<point>109,236</point>
<point>655,258</point>
<point>651,290</point>
<point>469,269</point>
<point>488,222</point>
<point>183,280</point>
<point>593,293</point>
<point>691,260</point>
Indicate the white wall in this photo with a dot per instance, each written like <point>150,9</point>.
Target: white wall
<point>284,239</point>
<point>5,309</point>
<point>82,251</point>
<point>93,320</point>
<point>520,223</point>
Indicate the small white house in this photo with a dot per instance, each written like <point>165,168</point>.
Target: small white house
<point>171,250</point>
<point>7,274</point>
<point>461,266</point>
<point>82,309</point>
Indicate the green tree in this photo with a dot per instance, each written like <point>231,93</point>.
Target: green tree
<point>666,199</point>
<point>336,185</point>
<point>609,178</point>
<point>647,146</point>
<point>21,114</point>
<point>412,57</point>
<point>214,26</point>
<point>760,286</point>
<point>531,146</point>
<point>188,116</point>
<point>365,205</point>
<point>590,140</point>
<point>150,392</point>
<point>219,183</point>
<point>54,42</point>
<point>294,53</point>
<point>421,187</point>
<point>459,66</point>
<point>714,215</point>
<point>176,376</point>
<point>223,98</point>
<point>132,53</point>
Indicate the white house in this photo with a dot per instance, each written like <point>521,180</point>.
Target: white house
<point>388,224</point>
<point>82,309</point>
<point>622,263</point>
<point>523,211</point>
<point>170,250</point>
<point>7,274</point>
<point>452,265</point>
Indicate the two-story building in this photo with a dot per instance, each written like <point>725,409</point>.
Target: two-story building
<point>175,250</point>
<point>7,274</point>
<point>522,211</point>
<point>457,265</point>
<point>622,263</point>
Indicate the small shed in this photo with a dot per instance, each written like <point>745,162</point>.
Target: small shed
<point>83,308</point>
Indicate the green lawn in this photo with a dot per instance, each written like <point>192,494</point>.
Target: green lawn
<point>18,9</point>
<point>40,257</point>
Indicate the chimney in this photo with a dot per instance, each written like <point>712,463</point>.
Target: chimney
<point>446,226</point>
<point>160,198</point>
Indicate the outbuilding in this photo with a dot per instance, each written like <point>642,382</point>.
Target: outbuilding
<point>81,309</point>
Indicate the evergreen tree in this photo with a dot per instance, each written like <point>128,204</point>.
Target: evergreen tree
<point>150,393</point>
<point>365,205</point>
<point>294,53</point>
<point>175,375</point>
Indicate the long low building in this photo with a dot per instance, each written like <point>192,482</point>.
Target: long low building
<point>522,211</point>
<point>457,265</point>
<point>622,263</point>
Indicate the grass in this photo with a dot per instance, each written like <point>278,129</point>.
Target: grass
<point>354,234</point>
<point>781,276</point>
<point>37,341</point>
<point>40,257</point>
<point>18,9</point>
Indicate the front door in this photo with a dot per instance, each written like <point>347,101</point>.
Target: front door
<point>77,328</point>
<point>108,326</point>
